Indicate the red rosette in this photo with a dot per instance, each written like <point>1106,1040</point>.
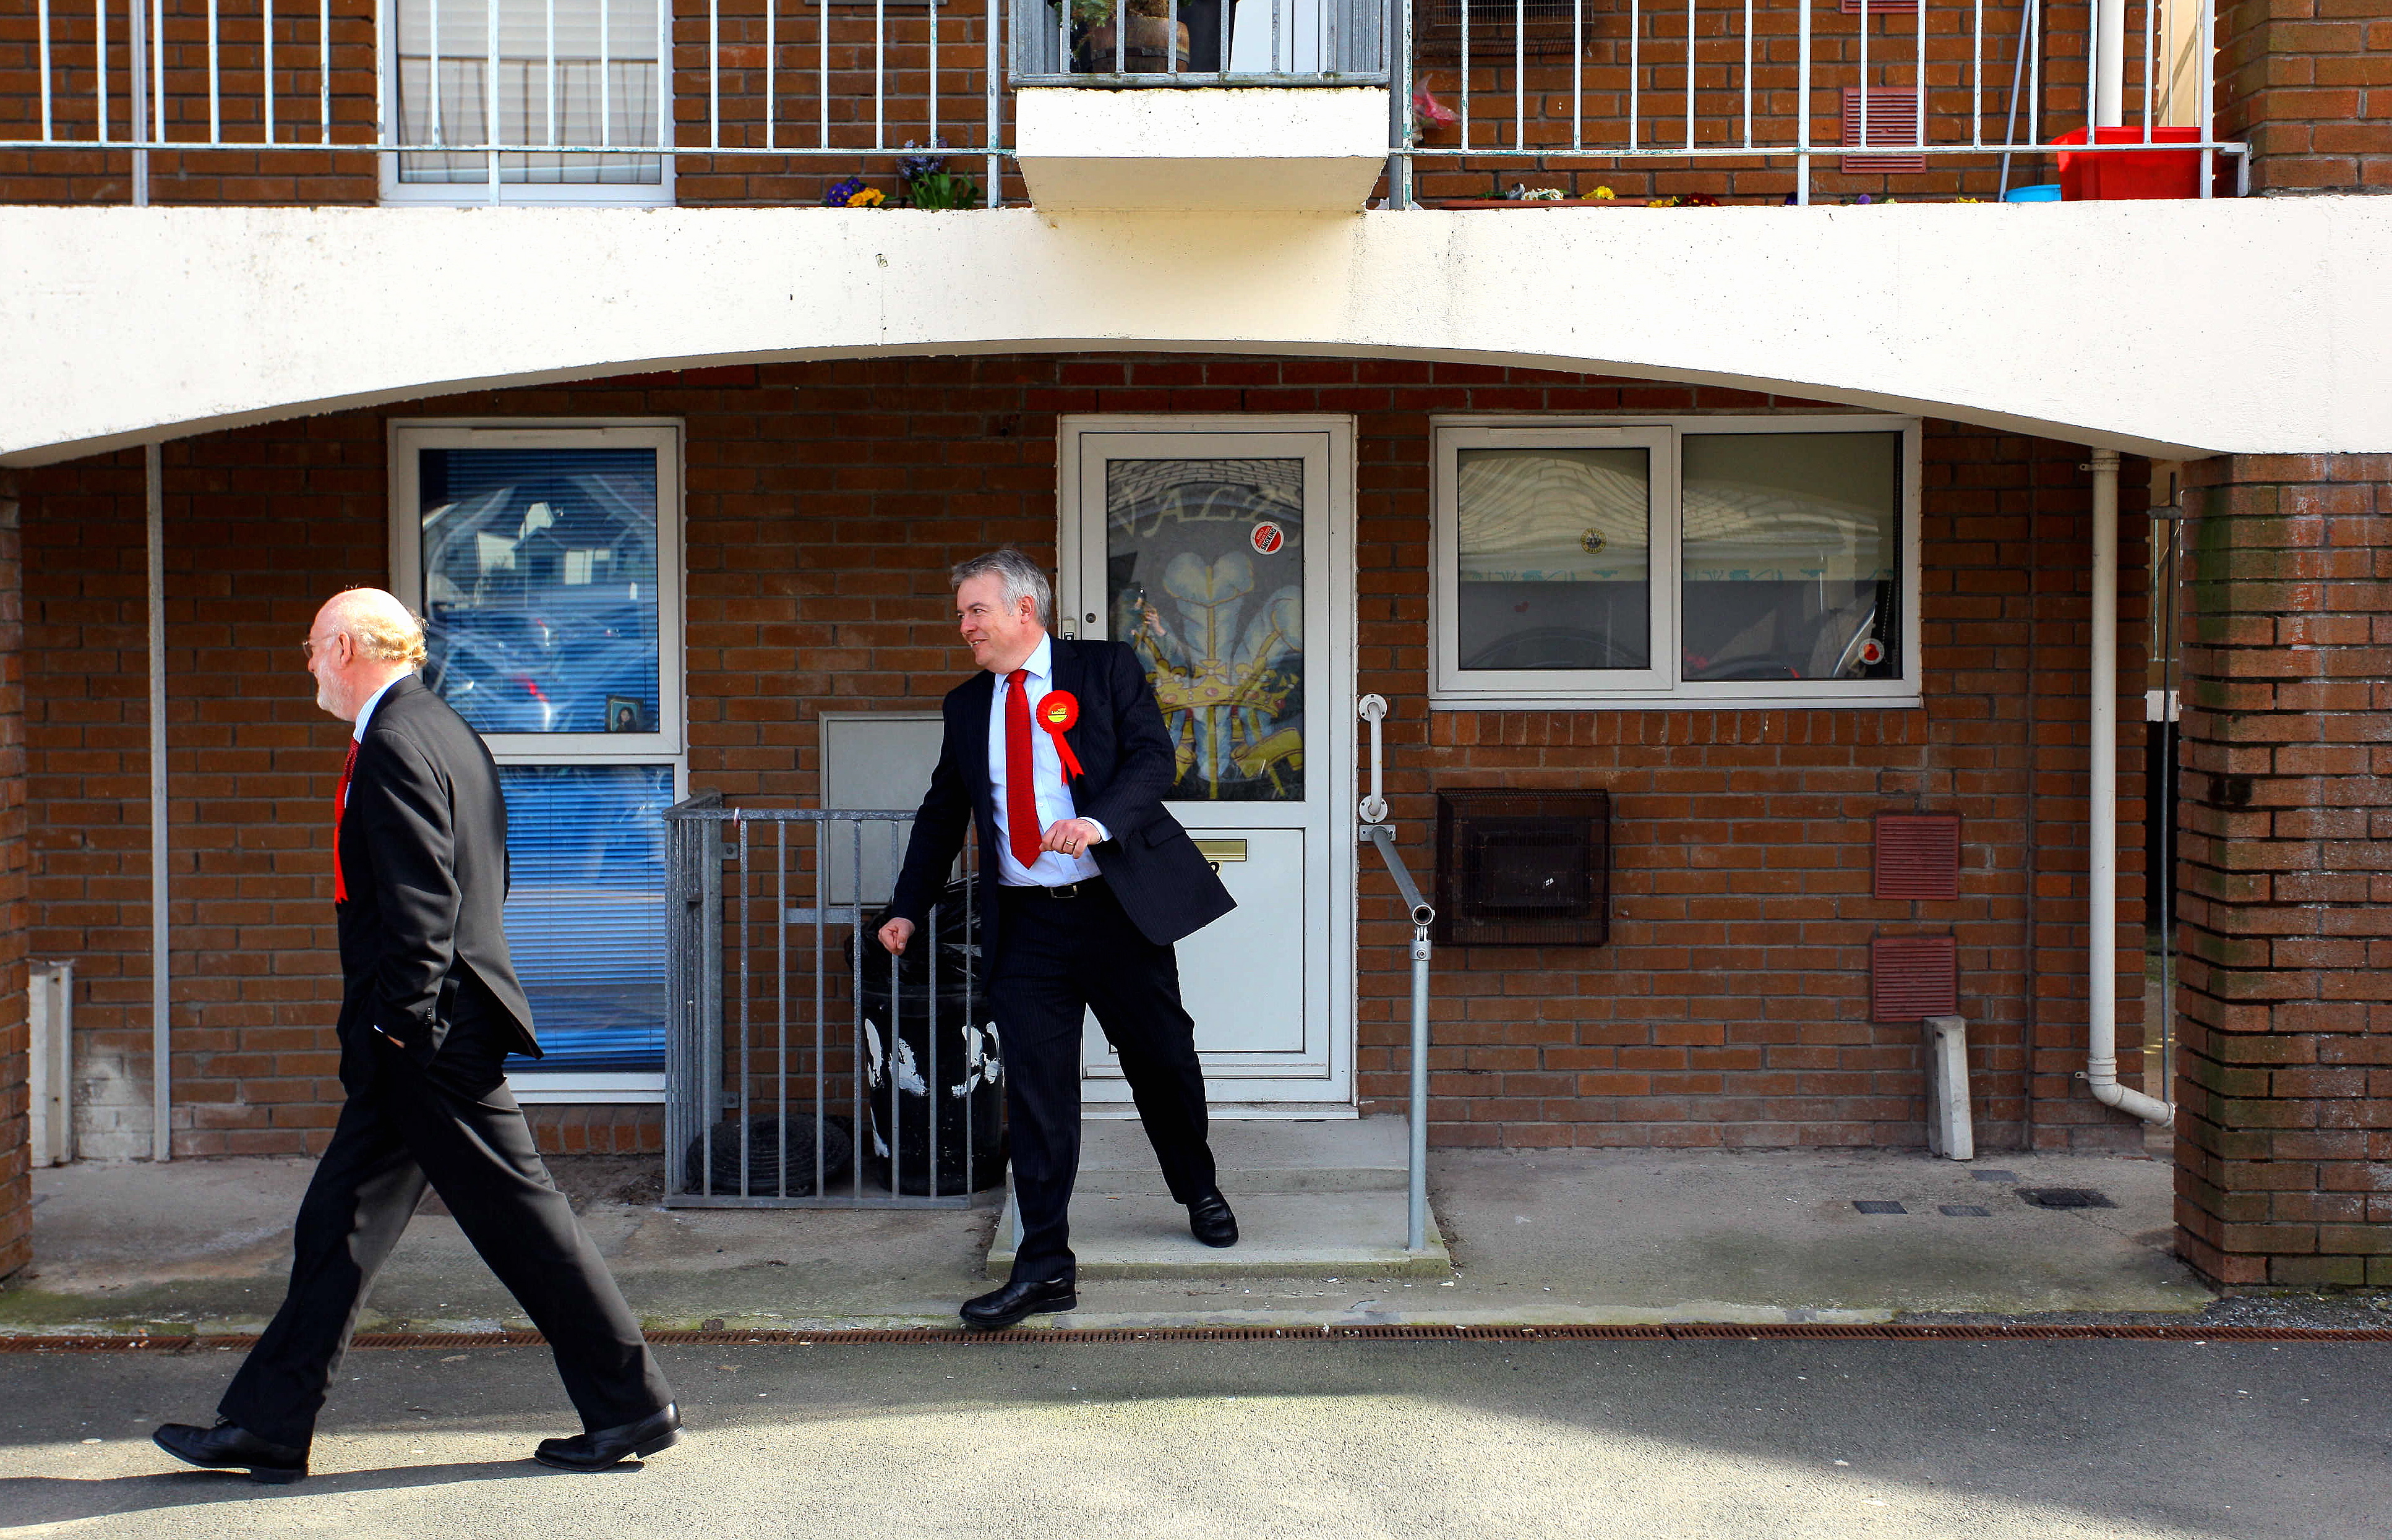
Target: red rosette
<point>1059,713</point>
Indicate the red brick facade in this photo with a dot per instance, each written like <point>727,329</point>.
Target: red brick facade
<point>824,503</point>
<point>2308,83</point>
<point>2284,1145</point>
<point>16,1064</point>
<point>294,172</point>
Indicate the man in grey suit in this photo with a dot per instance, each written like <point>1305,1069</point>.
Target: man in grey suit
<point>430,1009</point>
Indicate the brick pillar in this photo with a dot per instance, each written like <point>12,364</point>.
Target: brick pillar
<point>2303,82</point>
<point>2285,1126</point>
<point>16,1058</point>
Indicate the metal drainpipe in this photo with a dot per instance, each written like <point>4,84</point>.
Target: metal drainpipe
<point>2101,911</point>
<point>162,1060</point>
<point>2109,41</point>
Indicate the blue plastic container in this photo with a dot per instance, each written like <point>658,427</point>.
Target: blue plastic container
<point>2044,192</point>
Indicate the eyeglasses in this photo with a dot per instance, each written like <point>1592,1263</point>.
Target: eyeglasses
<point>308,648</point>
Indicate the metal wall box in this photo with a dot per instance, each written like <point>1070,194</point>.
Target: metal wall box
<point>1911,977</point>
<point>1523,869</point>
<point>1917,856</point>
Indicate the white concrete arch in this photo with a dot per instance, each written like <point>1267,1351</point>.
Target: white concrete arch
<point>2164,328</point>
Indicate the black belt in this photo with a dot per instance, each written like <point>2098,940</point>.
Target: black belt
<point>1085,888</point>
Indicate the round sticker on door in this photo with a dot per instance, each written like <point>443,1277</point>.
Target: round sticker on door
<point>1268,538</point>
<point>1872,652</point>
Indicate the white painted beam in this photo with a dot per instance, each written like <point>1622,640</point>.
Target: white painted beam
<point>2171,328</point>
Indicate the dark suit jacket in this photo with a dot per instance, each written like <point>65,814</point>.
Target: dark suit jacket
<point>1166,887</point>
<point>423,847</point>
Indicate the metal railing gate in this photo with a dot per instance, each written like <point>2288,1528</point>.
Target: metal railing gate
<point>807,1071</point>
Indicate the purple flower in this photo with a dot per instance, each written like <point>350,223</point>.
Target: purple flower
<point>841,191</point>
<point>914,167</point>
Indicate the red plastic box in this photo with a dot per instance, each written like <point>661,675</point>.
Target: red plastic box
<point>2134,174</point>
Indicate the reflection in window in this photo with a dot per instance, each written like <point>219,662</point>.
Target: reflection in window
<point>1556,559</point>
<point>576,73</point>
<point>1791,554</point>
<point>585,911</point>
<point>540,588</point>
<point>1205,574</point>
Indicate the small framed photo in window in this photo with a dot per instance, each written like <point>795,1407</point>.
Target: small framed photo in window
<point>624,715</point>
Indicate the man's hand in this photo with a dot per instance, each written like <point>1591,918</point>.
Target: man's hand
<point>1071,837</point>
<point>896,934</point>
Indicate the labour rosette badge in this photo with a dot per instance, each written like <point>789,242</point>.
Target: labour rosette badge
<point>1059,713</point>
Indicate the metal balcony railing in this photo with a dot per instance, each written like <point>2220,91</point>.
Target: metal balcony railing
<point>596,99</point>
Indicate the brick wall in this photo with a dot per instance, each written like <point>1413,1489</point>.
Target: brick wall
<point>824,504</point>
<point>291,172</point>
<point>16,1064</point>
<point>2308,83</point>
<point>2284,1137</point>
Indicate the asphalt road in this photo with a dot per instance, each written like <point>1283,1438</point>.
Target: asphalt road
<point>1642,1439</point>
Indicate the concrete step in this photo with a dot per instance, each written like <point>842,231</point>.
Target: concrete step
<point>1281,1235</point>
<point>1320,1199</point>
<point>1268,1155</point>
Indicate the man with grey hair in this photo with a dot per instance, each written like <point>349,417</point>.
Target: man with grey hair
<point>430,1009</point>
<point>1095,882</point>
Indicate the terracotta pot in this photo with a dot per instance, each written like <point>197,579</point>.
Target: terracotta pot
<point>1143,55</point>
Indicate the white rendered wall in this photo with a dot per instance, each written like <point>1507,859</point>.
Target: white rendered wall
<point>1276,148</point>
<point>2159,327</point>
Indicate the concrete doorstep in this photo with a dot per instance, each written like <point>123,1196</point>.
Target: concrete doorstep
<point>1313,1199</point>
<point>1530,1237</point>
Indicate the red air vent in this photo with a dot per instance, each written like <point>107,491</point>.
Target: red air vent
<point>1911,977</point>
<point>1892,120</point>
<point>1917,856</point>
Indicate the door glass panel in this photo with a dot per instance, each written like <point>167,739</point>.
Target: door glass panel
<point>567,73</point>
<point>1204,577</point>
<point>540,588</point>
<point>1789,556</point>
<point>1556,567</point>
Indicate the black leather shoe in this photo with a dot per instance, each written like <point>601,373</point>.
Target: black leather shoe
<point>228,1447</point>
<point>611,1446</point>
<point>1209,1219</point>
<point>1000,1308</point>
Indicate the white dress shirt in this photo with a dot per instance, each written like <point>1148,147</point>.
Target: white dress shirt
<point>365,712</point>
<point>1052,869</point>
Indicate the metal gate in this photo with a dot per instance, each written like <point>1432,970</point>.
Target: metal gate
<point>805,1067</point>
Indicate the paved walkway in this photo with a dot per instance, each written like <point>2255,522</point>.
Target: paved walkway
<point>1356,1440</point>
<point>1605,1237</point>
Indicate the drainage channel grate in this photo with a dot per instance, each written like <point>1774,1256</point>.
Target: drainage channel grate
<point>2065,1198</point>
<point>1063,1335</point>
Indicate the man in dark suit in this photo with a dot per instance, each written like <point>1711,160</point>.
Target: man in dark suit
<point>1095,881</point>
<point>430,1008</point>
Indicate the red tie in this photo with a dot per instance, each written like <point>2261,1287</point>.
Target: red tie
<point>1021,830</point>
<point>340,804</point>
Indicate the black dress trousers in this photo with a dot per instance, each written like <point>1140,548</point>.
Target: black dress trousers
<point>452,1126</point>
<point>1060,958</point>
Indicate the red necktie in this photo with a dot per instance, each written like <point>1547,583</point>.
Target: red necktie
<point>1021,830</point>
<point>340,804</point>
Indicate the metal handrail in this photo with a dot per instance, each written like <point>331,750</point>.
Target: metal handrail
<point>1373,808</point>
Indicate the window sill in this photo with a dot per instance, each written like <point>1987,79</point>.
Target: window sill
<point>1841,701</point>
<point>533,1087</point>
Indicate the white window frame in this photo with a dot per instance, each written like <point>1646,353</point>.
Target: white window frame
<point>667,745</point>
<point>1451,688</point>
<point>452,194</point>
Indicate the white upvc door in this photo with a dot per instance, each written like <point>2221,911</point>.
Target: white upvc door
<point>1222,549</point>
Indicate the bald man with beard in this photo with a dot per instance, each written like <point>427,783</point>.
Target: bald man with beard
<point>430,1008</point>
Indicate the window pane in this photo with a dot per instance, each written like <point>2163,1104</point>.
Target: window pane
<point>1790,556</point>
<point>1556,559</point>
<point>586,911</point>
<point>593,81</point>
<point>1204,577</point>
<point>540,588</point>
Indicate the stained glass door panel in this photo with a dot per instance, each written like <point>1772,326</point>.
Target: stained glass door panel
<point>1204,577</point>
